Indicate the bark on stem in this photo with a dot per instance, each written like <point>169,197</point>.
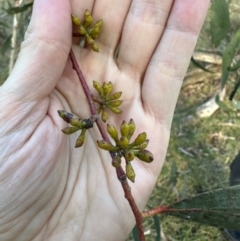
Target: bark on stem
<point>119,171</point>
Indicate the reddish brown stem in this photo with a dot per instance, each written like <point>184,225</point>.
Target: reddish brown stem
<point>120,172</point>
<point>157,210</point>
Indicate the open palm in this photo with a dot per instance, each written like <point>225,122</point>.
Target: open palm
<point>50,190</point>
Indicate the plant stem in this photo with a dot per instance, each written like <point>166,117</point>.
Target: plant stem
<point>119,171</point>
<point>155,211</point>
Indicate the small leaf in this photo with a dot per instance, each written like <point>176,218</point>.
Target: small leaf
<point>157,227</point>
<point>200,66</point>
<point>220,22</point>
<point>6,45</point>
<point>220,207</point>
<point>228,55</point>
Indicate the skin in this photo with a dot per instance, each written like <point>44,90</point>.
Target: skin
<point>50,190</point>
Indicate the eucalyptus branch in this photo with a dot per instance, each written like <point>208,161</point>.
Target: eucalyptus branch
<point>119,171</point>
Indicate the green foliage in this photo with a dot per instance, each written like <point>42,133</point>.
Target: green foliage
<point>220,21</point>
<point>228,55</point>
<point>6,45</point>
<point>217,208</point>
<point>20,9</point>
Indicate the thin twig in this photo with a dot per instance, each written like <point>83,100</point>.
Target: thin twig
<point>119,171</point>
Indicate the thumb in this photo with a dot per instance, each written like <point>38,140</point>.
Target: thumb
<point>44,52</point>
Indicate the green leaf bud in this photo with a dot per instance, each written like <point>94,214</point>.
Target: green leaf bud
<point>132,127</point>
<point>107,88</point>
<point>130,172</point>
<point>104,115</point>
<point>140,139</point>
<point>124,129</point>
<point>123,142</point>
<point>107,146</point>
<point>129,155</point>
<point>116,96</point>
<point>116,161</point>
<point>144,155</point>
<point>115,103</point>
<point>112,132</point>
<point>81,138</point>
<point>76,20</point>
<point>70,130</point>
<point>87,19</point>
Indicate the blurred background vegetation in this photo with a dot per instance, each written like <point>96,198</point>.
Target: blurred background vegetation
<point>206,124</point>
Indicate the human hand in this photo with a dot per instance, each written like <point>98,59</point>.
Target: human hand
<point>50,190</point>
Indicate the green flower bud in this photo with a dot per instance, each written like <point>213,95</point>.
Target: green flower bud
<point>115,103</point>
<point>130,172</point>
<point>112,132</point>
<point>129,155</point>
<point>81,138</point>
<point>115,110</point>
<point>89,39</point>
<point>98,88</point>
<point>116,96</point>
<point>70,130</point>
<point>107,88</point>
<point>144,155</point>
<point>116,161</point>
<point>123,142</point>
<point>95,32</point>
<point>132,127</point>
<point>75,121</point>
<point>65,115</point>
<point>76,20</point>
<point>87,19</point>
<point>142,146</point>
<point>82,30</point>
<point>94,47</point>
<point>99,23</point>
<point>140,139</point>
<point>104,115</point>
<point>107,146</point>
<point>124,129</point>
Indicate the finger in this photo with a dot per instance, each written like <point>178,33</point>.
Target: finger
<point>113,13</point>
<point>44,51</point>
<point>141,33</point>
<point>169,63</point>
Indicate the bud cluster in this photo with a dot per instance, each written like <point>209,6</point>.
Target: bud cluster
<point>85,29</point>
<point>125,149</point>
<point>76,125</point>
<point>106,100</point>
